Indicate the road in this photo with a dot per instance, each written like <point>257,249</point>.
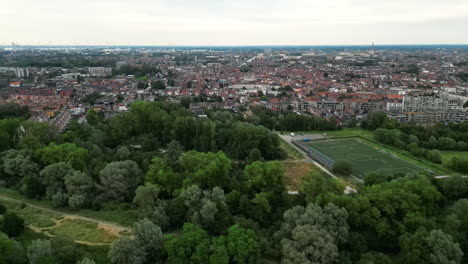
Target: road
<point>118,228</point>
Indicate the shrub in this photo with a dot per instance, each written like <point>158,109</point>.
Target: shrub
<point>343,167</point>
<point>12,225</point>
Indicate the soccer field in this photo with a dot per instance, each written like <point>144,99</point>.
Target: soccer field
<point>363,157</point>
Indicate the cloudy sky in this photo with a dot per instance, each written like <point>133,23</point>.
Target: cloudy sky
<point>236,22</point>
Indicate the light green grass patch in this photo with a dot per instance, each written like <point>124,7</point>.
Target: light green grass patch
<point>31,216</point>
<point>119,215</point>
<point>83,231</point>
<point>448,155</point>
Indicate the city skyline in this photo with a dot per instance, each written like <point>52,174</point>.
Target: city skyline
<point>240,23</point>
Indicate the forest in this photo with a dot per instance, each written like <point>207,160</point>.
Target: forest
<point>212,190</point>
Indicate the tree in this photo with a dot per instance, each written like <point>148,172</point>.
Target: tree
<point>146,199</point>
<point>13,110</point>
<point>455,186</point>
<point>207,170</point>
<point>12,224</point>
<point>264,189</point>
<point>149,237</point>
<point>119,180</point>
<point>459,164</point>
<point>65,249</point>
<point>126,251</point>
<point>181,125</point>
<point>32,186</point>
<point>436,157</point>
<point>254,155</point>
<point>92,117</point>
<point>305,247</point>
<point>432,142</point>
<point>80,189</point>
<point>312,234</point>
<point>191,246</point>
<point>86,261</point>
<point>242,245</point>
<point>429,247</point>
<point>17,166</point>
<point>123,153</point>
<point>9,133</point>
<point>70,153</point>
<point>185,101</point>
<point>158,85</point>
<point>240,138</point>
<point>375,120</point>
<point>141,85</point>
<point>161,174</point>
<point>343,167</point>
<point>204,135</point>
<point>39,250</point>
<point>206,209</point>
<point>3,208</point>
<point>219,253</point>
<point>11,251</point>
<point>53,178</point>
<point>383,212</point>
<point>173,152</point>
<point>446,143</point>
<point>443,249</point>
<point>315,184</point>
<point>375,258</point>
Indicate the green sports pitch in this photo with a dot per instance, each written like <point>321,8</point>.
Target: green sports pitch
<point>364,158</point>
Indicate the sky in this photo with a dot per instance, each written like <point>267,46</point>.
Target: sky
<point>237,22</point>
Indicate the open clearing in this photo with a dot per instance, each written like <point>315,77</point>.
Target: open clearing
<point>295,171</point>
<point>364,158</point>
<point>51,223</point>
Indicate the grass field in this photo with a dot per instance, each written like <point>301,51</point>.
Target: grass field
<point>111,213</point>
<point>448,155</point>
<point>81,230</point>
<point>40,224</point>
<point>364,158</point>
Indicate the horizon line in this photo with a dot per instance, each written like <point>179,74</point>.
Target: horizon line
<point>265,45</point>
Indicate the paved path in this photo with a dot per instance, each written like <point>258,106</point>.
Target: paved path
<point>114,226</point>
<point>446,176</point>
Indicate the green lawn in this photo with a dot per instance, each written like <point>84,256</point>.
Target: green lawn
<point>448,155</point>
<point>83,231</point>
<point>31,215</point>
<point>364,158</point>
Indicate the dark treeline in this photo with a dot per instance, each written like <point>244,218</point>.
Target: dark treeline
<point>212,184</point>
<point>58,60</point>
<point>138,71</point>
<point>290,121</point>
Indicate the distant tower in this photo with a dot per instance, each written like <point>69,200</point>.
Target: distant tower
<point>372,50</point>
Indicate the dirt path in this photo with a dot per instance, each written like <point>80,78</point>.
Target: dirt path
<point>108,226</point>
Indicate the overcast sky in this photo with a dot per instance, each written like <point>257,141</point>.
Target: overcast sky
<point>236,22</point>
